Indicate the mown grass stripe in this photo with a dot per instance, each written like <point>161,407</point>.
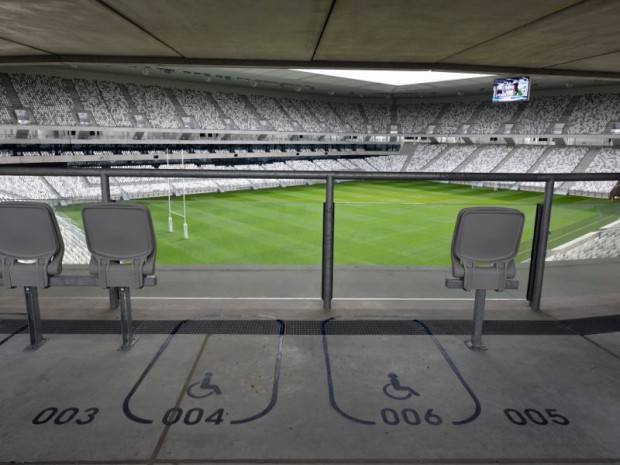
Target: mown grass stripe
<point>377,223</point>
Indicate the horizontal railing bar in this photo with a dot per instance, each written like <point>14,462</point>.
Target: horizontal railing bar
<point>323,175</point>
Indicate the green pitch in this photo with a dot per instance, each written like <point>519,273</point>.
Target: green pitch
<point>377,223</point>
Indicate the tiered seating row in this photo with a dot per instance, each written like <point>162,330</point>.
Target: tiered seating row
<point>113,104</point>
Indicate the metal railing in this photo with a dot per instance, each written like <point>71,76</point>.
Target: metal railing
<point>541,233</point>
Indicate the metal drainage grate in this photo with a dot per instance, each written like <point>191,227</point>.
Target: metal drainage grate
<point>230,327</point>
<point>582,326</point>
<point>11,326</point>
<point>595,325</point>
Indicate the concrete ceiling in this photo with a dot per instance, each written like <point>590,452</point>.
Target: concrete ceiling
<point>570,37</point>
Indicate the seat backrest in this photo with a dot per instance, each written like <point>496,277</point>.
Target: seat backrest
<point>486,236</point>
<point>31,245</point>
<point>115,235</point>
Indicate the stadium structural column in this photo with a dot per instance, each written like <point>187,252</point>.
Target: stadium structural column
<point>543,230</point>
<point>327,281</point>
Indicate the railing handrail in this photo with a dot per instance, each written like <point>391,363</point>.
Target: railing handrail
<point>541,233</point>
<point>337,175</point>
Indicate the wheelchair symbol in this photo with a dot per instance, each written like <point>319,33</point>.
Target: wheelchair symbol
<point>395,390</point>
<point>204,388</point>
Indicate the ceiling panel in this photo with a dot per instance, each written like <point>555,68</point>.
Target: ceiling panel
<point>8,48</point>
<point>578,36</point>
<point>82,27</point>
<point>422,30</point>
<point>233,29</point>
<point>608,62</point>
<point>588,29</point>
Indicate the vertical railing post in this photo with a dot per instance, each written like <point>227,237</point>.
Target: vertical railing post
<point>327,282</point>
<point>105,187</point>
<point>539,262</point>
<point>534,252</point>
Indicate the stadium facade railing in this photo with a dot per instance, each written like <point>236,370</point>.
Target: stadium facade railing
<point>543,217</point>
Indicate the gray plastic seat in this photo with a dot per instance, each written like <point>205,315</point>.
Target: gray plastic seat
<point>485,243</point>
<point>121,239</point>
<point>31,246</point>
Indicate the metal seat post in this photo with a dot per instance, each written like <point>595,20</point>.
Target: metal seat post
<point>34,318</point>
<point>126,320</point>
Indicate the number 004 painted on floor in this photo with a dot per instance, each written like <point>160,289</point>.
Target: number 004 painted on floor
<point>407,386</point>
<point>209,387</point>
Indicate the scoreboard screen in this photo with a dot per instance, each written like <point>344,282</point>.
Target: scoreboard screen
<point>511,89</point>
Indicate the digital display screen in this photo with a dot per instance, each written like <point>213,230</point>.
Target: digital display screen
<point>511,89</point>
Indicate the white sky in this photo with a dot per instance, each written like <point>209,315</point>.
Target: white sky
<point>393,78</point>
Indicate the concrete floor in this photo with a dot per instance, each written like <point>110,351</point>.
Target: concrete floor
<point>286,383</point>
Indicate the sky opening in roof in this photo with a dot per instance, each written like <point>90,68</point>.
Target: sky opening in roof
<point>393,78</point>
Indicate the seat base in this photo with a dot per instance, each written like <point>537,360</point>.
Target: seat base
<point>128,345</point>
<point>481,347</point>
<point>33,347</point>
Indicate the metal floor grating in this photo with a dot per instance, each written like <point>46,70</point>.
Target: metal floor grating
<point>336,327</point>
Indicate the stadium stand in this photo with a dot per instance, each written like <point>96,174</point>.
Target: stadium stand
<point>378,115</point>
<point>325,115</point>
<point>454,115</point>
<point>269,109</point>
<point>558,160</point>
<point>450,159</point>
<point>426,157</point>
<point>76,251</point>
<point>77,188</point>
<point>115,102</point>
<point>416,117</point>
<point>491,117</point>
<point>300,113</point>
<point>351,114</point>
<point>540,113</point>
<point>26,188</point>
<point>602,244</point>
<point>606,161</point>
<point>362,164</point>
<point>5,104</point>
<point>152,102</point>
<point>199,104</point>
<point>237,109</point>
<point>423,155</point>
<point>487,159</point>
<point>54,100</point>
<point>593,113</point>
<point>92,101</point>
<point>521,159</point>
<point>389,163</point>
<point>47,97</point>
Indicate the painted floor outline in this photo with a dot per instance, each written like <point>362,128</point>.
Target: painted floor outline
<point>290,381</point>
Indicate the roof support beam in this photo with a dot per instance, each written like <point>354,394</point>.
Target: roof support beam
<point>174,61</point>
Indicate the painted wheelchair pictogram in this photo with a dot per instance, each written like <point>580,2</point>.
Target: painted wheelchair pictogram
<point>395,390</point>
<point>204,388</point>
